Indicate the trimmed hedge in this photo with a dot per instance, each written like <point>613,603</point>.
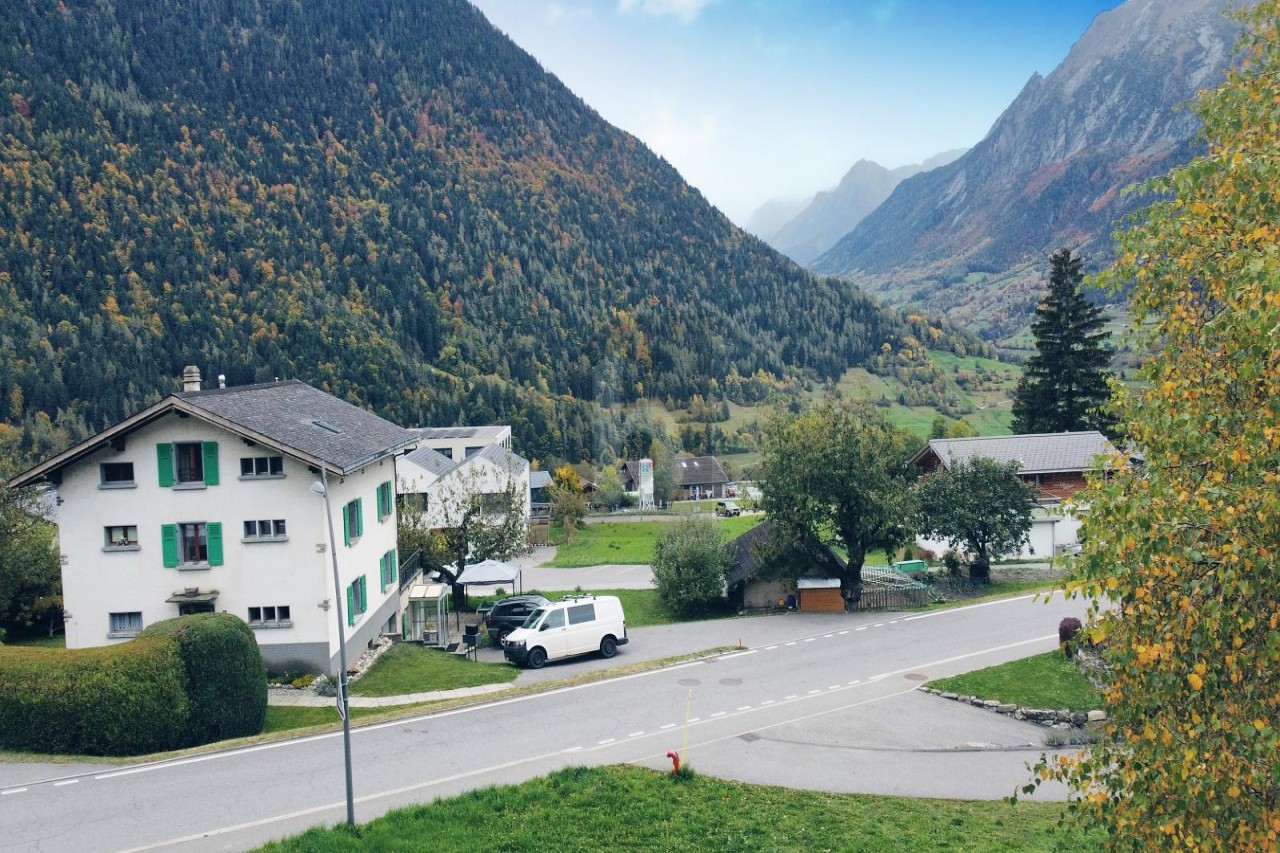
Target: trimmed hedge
<point>114,700</point>
<point>182,682</point>
<point>225,677</point>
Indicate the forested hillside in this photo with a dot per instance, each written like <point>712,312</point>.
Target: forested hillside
<point>384,198</point>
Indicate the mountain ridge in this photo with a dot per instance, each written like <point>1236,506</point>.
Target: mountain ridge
<point>1049,173</point>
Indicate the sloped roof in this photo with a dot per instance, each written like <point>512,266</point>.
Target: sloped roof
<point>700,471</point>
<point>506,460</point>
<point>539,479</point>
<point>431,460</point>
<point>290,417</point>
<point>1041,453</point>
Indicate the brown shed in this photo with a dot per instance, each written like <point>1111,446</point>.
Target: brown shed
<point>819,595</point>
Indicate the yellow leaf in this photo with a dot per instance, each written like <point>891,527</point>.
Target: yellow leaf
<point>1195,681</point>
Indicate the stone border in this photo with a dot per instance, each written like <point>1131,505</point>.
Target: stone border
<point>1049,718</point>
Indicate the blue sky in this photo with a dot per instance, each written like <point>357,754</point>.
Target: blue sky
<point>760,99</point>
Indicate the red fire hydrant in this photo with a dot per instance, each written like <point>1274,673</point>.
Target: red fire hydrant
<point>675,761</point>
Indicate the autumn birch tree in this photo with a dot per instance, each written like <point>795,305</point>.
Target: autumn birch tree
<point>1186,546</point>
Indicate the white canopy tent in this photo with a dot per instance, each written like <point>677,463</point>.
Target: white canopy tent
<point>490,573</point>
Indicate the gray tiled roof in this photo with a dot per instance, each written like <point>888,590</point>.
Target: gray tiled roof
<point>304,419</point>
<point>539,479</point>
<point>431,460</point>
<point>1036,454</point>
<point>700,471</point>
<point>504,459</point>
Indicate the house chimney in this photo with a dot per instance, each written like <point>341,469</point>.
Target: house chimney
<point>191,378</point>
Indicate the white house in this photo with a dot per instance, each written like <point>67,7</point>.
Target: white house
<point>207,501</point>
<point>488,472</point>
<point>461,443</point>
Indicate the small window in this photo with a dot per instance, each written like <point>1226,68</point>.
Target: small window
<point>266,529</point>
<point>125,624</point>
<point>255,467</point>
<point>120,537</point>
<point>555,619</point>
<point>580,613</point>
<point>194,542</point>
<point>386,504</point>
<point>357,599</point>
<point>352,522</point>
<point>188,460</point>
<point>275,616</point>
<point>116,475</point>
<point>472,451</point>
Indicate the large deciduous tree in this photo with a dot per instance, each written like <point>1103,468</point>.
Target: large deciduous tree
<point>978,505</point>
<point>839,475</point>
<point>1188,546</point>
<point>1064,385</point>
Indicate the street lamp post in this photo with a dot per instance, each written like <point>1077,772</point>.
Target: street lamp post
<point>344,708</point>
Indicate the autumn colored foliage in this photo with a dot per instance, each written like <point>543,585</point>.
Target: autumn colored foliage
<point>1185,546</point>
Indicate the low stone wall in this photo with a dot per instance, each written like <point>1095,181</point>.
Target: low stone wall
<point>1047,717</point>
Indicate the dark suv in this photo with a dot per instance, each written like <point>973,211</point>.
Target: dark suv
<point>509,613</point>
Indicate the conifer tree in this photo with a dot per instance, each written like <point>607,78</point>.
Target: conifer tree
<point>1065,382</point>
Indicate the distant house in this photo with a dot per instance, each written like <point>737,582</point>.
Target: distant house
<point>697,477</point>
<point>700,477</point>
<point>443,482</point>
<point>1054,464</point>
<point>749,587</point>
<point>208,500</point>
<point>463,442</point>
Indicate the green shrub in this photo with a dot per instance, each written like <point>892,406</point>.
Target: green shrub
<point>225,676</point>
<point>114,700</point>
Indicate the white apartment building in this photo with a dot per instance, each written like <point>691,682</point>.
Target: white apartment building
<point>209,500</point>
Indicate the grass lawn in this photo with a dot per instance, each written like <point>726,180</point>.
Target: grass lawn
<point>1044,681</point>
<point>629,808</point>
<point>409,668</point>
<point>285,718</point>
<point>627,542</point>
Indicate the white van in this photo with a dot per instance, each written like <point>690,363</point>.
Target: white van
<point>574,625</point>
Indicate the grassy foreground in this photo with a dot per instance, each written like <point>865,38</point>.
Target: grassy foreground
<point>410,668</point>
<point>628,542</point>
<point>1043,681</point>
<point>628,808</point>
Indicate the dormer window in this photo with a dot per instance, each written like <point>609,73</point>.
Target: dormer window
<point>261,467</point>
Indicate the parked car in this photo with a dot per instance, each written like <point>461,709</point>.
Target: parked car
<point>510,613</point>
<point>574,625</point>
<point>727,508</point>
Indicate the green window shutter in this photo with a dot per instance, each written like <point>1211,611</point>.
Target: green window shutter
<point>213,534</point>
<point>359,517</point>
<point>210,449</point>
<point>381,509</point>
<point>351,605</point>
<point>164,462</point>
<point>346,525</point>
<point>364,595</point>
<point>169,545</point>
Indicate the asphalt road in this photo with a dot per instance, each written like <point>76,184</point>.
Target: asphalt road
<point>828,702</point>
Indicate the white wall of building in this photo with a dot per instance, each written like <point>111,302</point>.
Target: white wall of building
<point>296,572</point>
<point>1050,533</point>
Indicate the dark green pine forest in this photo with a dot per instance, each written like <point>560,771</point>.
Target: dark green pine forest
<point>385,198</point>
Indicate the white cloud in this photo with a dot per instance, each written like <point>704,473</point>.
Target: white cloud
<point>685,10</point>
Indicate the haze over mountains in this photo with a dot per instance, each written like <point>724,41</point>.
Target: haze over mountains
<point>970,239</point>
<point>387,199</point>
<point>821,221</point>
